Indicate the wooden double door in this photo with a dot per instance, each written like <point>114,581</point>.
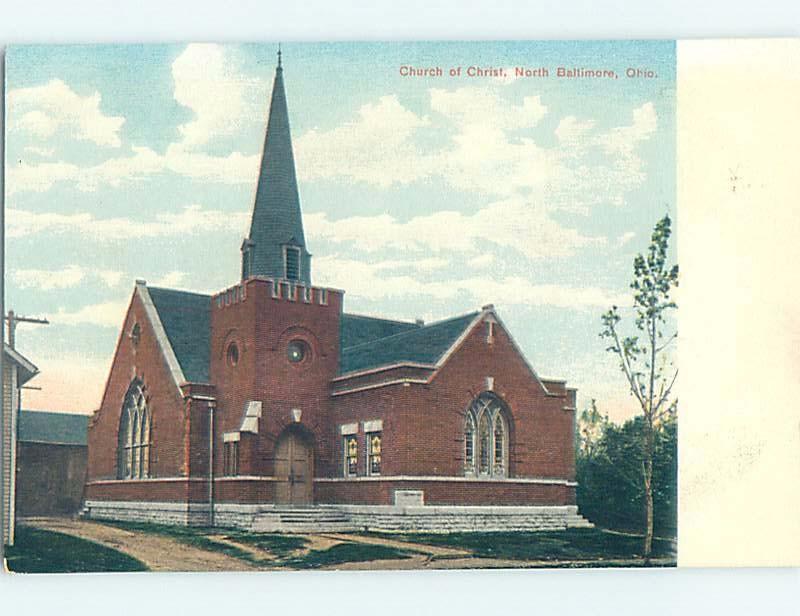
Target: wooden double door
<point>294,470</point>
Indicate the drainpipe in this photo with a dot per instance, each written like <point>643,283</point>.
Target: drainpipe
<point>211,407</point>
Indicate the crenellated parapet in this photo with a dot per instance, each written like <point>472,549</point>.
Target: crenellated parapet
<point>277,289</point>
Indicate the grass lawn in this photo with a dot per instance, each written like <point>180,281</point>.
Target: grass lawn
<point>281,546</point>
<point>39,551</point>
<point>287,550</point>
<point>579,544</point>
<point>347,553</point>
<point>192,535</point>
<point>44,551</point>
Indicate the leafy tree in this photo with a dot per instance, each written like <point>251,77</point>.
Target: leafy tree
<point>610,482</point>
<point>643,356</point>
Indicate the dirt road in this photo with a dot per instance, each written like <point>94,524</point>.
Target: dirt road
<point>159,553</point>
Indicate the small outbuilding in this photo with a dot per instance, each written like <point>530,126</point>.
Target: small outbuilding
<point>51,463</point>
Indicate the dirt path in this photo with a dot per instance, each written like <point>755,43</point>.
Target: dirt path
<point>431,550</point>
<point>159,553</point>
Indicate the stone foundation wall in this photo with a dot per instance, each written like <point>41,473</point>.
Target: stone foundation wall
<point>178,514</point>
<point>344,518</point>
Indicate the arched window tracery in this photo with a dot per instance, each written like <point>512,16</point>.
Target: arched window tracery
<point>469,444</point>
<point>133,445</point>
<point>484,444</point>
<point>486,438</point>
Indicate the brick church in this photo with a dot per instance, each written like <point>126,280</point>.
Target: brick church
<point>267,406</point>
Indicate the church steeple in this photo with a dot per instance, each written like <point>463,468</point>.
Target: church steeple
<point>276,246</point>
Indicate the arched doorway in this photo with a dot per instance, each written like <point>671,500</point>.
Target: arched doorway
<point>294,468</point>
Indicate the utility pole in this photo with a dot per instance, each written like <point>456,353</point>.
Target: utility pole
<point>13,319</point>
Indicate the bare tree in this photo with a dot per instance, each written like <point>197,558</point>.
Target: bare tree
<point>644,358</point>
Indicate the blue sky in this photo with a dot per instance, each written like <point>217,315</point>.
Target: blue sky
<point>422,197</point>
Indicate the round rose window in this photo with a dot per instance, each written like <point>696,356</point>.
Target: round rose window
<point>297,351</point>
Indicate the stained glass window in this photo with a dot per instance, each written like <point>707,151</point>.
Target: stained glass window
<point>486,447</point>
<point>499,445</point>
<point>484,444</point>
<point>133,441</point>
<point>351,455</point>
<point>374,453</point>
<point>469,444</point>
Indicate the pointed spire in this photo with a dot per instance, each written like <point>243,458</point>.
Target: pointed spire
<point>276,246</point>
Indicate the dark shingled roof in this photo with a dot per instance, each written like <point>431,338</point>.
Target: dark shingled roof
<point>52,428</point>
<point>277,220</point>
<point>366,342</point>
<point>187,320</point>
<point>423,344</point>
<point>357,329</point>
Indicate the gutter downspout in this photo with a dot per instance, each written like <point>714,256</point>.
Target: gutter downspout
<point>211,407</point>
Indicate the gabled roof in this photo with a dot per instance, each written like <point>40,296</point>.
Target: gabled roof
<point>26,368</point>
<point>358,329</point>
<point>52,428</point>
<point>186,318</point>
<point>423,344</point>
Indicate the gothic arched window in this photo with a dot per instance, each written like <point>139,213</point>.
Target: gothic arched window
<point>133,441</point>
<point>486,438</point>
<point>499,458</point>
<point>469,444</point>
<point>484,444</point>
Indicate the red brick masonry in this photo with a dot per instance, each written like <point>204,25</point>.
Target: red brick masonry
<point>421,407</point>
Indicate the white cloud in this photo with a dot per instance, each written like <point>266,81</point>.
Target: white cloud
<point>224,102</point>
<point>371,281</point>
<point>24,177</point>
<point>222,98</point>
<point>64,278</point>
<point>46,280</point>
<point>170,279</point>
<point>570,129</point>
<point>485,107</point>
<point>624,139</point>
<point>625,238</point>
<point>42,110</point>
<point>103,314</point>
<point>509,78</point>
<point>491,150</point>
<point>36,123</point>
<point>191,219</point>
<point>43,152</point>
<point>234,168</point>
<point>376,147</point>
<point>515,223</point>
<point>379,146</point>
<point>481,261</point>
<point>110,278</point>
<point>143,162</point>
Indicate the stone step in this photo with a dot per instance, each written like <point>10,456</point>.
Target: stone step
<point>265,526</point>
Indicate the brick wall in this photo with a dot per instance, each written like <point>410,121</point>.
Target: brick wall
<point>445,492</point>
<point>423,424</point>
<point>262,326</point>
<point>169,415</point>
